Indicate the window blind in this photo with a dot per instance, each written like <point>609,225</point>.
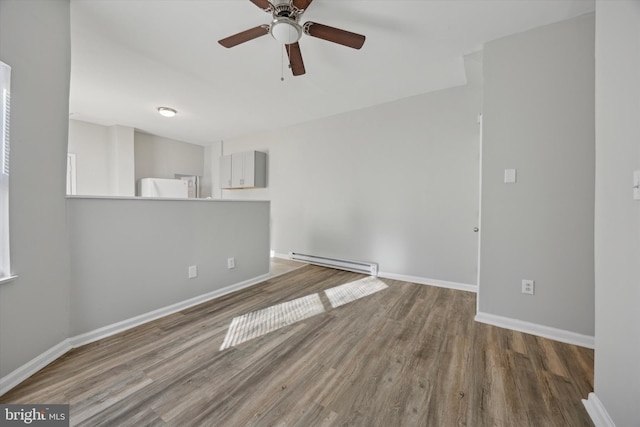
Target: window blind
<point>5,115</point>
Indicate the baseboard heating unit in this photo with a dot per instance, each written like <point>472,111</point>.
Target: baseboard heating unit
<point>356,266</point>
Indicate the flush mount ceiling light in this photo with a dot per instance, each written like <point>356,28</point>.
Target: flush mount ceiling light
<point>167,112</point>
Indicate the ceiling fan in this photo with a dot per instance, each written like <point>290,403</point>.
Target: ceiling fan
<point>286,29</point>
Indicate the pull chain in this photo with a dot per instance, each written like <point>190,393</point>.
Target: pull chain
<point>282,65</point>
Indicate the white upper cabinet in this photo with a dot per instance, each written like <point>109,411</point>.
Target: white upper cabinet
<point>225,171</point>
<point>243,170</point>
<point>238,174</point>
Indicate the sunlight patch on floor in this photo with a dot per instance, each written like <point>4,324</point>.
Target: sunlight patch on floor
<point>344,294</point>
<point>261,322</point>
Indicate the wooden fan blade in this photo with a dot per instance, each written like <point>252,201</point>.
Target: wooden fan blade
<point>295,58</point>
<point>244,36</point>
<point>302,4</point>
<point>335,35</point>
<point>262,4</point>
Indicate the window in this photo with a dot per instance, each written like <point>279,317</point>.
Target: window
<point>5,261</point>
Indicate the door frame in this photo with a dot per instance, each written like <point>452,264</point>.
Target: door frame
<point>479,233</point>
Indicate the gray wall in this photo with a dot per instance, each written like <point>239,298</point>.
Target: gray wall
<point>122,176</point>
<point>90,143</point>
<point>131,256</point>
<point>111,159</point>
<point>34,308</point>
<point>538,117</point>
<point>617,220</point>
<point>395,184</point>
<point>158,157</point>
<point>104,159</point>
<point>210,185</point>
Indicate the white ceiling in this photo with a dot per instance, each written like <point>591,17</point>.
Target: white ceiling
<point>131,56</point>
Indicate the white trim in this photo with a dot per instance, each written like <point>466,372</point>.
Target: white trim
<point>25,371</point>
<point>71,175</point>
<point>433,282</point>
<point>279,255</point>
<point>8,279</point>
<point>124,325</point>
<point>479,245</point>
<point>597,412</point>
<point>561,335</point>
<point>413,279</point>
<point>162,199</point>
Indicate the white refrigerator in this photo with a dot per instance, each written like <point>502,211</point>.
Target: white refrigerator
<point>167,188</point>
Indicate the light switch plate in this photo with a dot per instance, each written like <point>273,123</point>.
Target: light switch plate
<point>636,185</point>
<point>509,176</point>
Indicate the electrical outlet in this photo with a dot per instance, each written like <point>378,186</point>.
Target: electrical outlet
<point>510,176</point>
<point>528,286</point>
<point>231,263</point>
<point>193,271</point>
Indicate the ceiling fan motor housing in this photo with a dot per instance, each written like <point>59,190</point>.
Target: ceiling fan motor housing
<point>285,9</point>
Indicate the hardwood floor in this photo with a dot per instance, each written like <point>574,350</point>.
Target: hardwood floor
<point>280,266</point>
<point>408,355</point>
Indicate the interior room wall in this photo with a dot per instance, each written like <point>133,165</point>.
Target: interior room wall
<point>211,179</point>
<point>617,215</point>
<point>111,159</point>
<point>104,159</point>
<point>158,157</point>
<point>207,178</point>
<point>34,308</point>
<point>122,179</point>
<point>131,256</point>
<point>90,143</point>
<point>395,184</point>
<point>538,118</point>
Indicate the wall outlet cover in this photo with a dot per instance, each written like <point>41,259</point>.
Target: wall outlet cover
<point>231,263</point>
<point>636,185</point>
<point>528,286</point>
<point>193,271</point>
<point>510,176</point>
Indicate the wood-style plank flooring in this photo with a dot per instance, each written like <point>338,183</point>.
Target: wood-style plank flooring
<point>409,355</point>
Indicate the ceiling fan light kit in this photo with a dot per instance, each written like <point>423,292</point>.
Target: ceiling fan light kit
<point>286,29</point>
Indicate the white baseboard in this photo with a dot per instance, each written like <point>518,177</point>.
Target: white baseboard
<point>413,279</point>
<point>124,325</point>
<point>25,371</point>
<point>432,282</point>
<point>279,255</point>
<point>596,411</point>
<point>561,335</point>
